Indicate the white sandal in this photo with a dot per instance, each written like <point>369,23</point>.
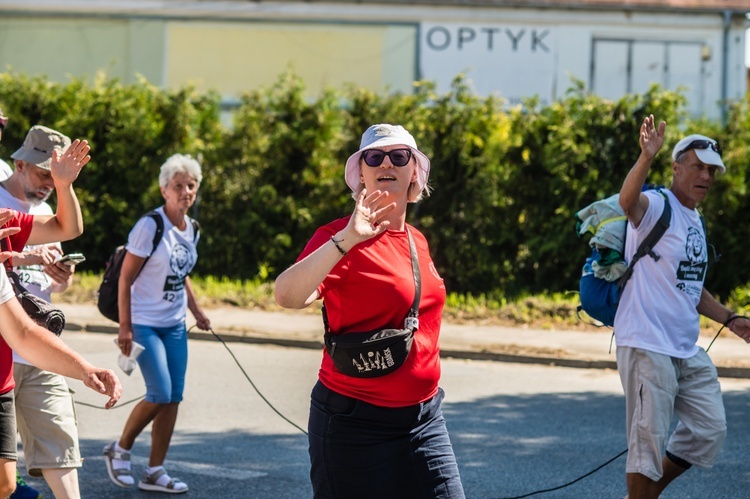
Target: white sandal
<point>174,486</point>
<point>114,474</point>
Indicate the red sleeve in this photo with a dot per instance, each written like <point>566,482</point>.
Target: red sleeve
<point>18,240</point>
<point>322,235</point>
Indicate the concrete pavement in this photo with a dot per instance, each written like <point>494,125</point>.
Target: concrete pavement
<point>581,349</point>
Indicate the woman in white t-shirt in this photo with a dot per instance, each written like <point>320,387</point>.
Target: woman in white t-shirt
<point>154,293</point>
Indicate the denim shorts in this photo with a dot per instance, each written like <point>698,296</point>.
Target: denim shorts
<point>163,362</point>
<point>366,451</point>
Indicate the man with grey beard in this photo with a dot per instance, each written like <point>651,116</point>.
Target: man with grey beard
<point>44,405</point>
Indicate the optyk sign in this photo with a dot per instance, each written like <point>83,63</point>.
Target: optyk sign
<point>513,61</point>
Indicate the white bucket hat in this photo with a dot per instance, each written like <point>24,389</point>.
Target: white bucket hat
<point>380,136</point>
<point>709,152</point>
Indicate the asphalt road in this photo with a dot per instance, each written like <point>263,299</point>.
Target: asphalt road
<point>516,428</point>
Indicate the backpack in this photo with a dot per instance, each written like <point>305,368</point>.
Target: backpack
<point>109,288</point>
<point>600,286</point>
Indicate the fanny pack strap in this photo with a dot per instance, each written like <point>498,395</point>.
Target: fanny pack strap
<point>412,318</point>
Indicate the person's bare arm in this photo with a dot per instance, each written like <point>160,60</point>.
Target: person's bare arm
<point>297,286</point>
<point>131,266</point>
<point>40,255</point>
<point>201,319</point>
<point>713,309</point>
<point>632,200</point>
<point>46,351</point>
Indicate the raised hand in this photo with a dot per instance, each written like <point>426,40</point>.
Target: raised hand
<point>65,167</point>
<point>367,221</point>
<point>651,138</point>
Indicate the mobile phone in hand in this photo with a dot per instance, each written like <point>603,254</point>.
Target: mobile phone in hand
<point>71,259</point>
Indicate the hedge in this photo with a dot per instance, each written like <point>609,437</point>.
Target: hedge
<point>507,180</point>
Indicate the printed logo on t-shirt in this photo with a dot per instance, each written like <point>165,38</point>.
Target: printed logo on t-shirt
<point>694,268</point>
<point>181,262</point>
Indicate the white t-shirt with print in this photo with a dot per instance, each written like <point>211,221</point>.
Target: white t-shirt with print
<point>32,277</point>
<point>657,310</point>
<point>157,297</point>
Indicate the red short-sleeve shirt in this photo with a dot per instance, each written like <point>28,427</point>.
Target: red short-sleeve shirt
<point>372,287</point>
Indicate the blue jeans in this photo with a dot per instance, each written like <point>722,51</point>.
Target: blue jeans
<point>366,451</point>
<point>163,362</point>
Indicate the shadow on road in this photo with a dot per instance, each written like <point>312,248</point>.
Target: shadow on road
<point>506,446</point>
<point>509,446</point>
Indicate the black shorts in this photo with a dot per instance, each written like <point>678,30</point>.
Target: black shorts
<point>8,443</point>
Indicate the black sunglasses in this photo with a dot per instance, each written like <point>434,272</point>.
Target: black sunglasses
<point>701,144</point>
<point>3,121</point>
<point>375,157</point>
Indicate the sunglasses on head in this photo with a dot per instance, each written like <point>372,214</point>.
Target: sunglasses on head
<point>701,144</point>
<point>3,121</point>
<point>375,157</point>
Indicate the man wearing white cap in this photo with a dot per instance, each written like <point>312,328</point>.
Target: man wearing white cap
<point>663,371</point>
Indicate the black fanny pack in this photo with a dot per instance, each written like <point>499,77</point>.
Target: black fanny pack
<point>376,353</point>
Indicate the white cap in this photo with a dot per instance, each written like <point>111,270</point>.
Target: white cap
<point>381,136</point>
<point>707,155</point>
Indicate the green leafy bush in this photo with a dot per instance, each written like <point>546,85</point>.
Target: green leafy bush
<point>507,180</point>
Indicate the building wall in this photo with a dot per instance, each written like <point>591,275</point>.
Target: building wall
<point>612,53</point>
<point>235,57</point>
<point>60,47</point>
<point>513,53</point>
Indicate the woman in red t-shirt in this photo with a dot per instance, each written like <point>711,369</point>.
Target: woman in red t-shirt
<point>381,436</point>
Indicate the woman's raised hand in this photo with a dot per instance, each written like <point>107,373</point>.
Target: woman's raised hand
<point>368,219</point>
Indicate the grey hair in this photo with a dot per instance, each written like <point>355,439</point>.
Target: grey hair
<point>179,163</point>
